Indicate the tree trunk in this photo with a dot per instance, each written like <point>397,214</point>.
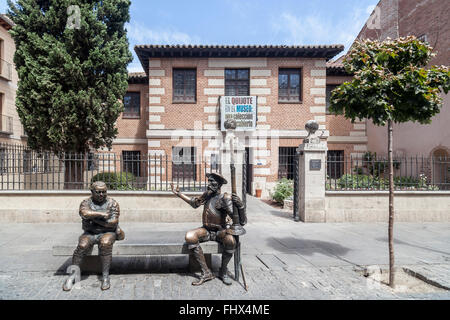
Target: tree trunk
<point>74,171</point>
<point>391,205</point>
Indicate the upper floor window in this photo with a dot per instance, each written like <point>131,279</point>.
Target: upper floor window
<point>289,85</point>
<point>237,82</point>
<point>184,85</point>
<point>330,88</point>
<point>132,105</point>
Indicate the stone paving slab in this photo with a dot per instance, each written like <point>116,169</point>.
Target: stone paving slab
<point>434,274</point>
<point>271,261</point>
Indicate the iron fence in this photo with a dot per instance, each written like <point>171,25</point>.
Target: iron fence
<point>23,169</point>
<point>369,172</point>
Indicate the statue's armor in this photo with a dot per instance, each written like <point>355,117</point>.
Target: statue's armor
<point>90,225</point>
<point>215,210</point>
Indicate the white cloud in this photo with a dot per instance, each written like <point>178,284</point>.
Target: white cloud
<point>143,35</point>
<point>140,34</point>
<point>135,67</point>
<point>319,29</point>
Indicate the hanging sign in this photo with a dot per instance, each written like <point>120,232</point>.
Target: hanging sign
<point>240,108</point>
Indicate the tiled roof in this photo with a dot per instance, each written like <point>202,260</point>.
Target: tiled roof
<point>336,68</point>
<point>144,52</point>
<point>170,46</point>
<point>6,22</point>
<point>137,77</point>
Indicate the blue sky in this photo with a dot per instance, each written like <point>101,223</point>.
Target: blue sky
<point>242,22</point>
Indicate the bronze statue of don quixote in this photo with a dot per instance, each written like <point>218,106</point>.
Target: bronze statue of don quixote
<point>223,218</point>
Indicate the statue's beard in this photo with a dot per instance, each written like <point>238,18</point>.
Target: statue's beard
<point>212,190</point>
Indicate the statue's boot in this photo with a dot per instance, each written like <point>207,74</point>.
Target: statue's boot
<point>206,273</point>
<point>76,261</point>
<point>106,283</point>
<point>223,273</point>
<point>68,285</point>
<point>106,263</point>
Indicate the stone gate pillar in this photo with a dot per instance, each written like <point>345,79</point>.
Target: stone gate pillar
<point>312,176</point>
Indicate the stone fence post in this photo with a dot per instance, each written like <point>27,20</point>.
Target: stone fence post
<point>312,176</point>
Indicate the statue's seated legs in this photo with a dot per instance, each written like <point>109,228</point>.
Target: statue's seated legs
<point>105,246</point>
<point>193,239</point>
<point>86,242</point>
<point>229,244</point>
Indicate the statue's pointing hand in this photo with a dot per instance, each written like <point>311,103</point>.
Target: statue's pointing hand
<point>175,191</point>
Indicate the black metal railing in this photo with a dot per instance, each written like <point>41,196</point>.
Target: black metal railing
<point>371,173</point>
<point>23,169</point>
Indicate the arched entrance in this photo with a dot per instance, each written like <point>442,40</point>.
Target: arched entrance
<point>441,169</point>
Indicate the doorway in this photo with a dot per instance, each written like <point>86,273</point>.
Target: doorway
<point>249,171</point>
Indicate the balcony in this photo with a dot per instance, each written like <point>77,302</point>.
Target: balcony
<point>6,125</point>
<point>5,70</point>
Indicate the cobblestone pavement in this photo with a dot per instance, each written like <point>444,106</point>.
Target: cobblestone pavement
<point>303,283</point>
<point>283,260</point>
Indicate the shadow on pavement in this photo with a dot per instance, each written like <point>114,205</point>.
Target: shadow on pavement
<point>282,214</point>
<point>307,247</point>
<point>138,265</point>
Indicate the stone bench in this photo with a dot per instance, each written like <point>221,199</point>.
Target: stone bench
<point>91,263</point>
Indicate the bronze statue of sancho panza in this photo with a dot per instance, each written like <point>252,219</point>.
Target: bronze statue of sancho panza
<point>217,207</point>
<point>100,222</point>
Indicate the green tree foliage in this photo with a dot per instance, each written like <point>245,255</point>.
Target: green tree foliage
<point>391,85</point>
<point>71,79</point>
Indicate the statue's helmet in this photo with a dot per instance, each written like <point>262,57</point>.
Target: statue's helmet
<point>218,177</point>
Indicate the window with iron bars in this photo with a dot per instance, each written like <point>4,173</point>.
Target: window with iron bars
<point>335,164</point>
<point>183,164</point>
<point>286,162</point>
<point>132,162</point>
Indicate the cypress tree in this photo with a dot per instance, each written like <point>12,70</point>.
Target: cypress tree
<point>71,57</point>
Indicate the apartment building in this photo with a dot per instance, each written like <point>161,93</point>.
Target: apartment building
<point>11,130</point>
<point>174,108</point>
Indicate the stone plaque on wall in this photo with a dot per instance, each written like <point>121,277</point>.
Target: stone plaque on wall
<point>315,165</point>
